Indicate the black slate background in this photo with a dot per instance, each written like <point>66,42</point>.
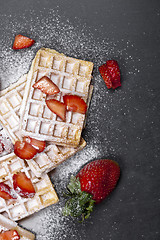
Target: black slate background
<point>137,215</point>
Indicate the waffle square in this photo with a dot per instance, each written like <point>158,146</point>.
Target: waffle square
<point>72,76</point>
<point>19,208</point>
<point>7,224</point>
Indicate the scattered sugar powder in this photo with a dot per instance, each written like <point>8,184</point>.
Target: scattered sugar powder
<point>54,31</point>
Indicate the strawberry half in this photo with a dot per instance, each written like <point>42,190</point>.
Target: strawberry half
<point>57,107</point>
<point>46,85</point>
<point>23,185</point>
<point>6,192</point>
<point>9,235</point>
<point>24,150</point>
<point>75,103</point>
<point>21,41</point>
<point>37,144</point>
<point>110,73</point>
<point>94,182</point>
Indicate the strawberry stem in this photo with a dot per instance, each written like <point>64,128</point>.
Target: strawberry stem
<point>80,203</point>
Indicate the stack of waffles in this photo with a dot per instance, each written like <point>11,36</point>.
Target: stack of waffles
<point>23,112</point>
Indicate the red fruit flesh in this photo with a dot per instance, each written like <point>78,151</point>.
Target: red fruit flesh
<point>24,150</point>
<point>21,41</point>
<point>75,103</point>
<point>23,185</point>
<point>99,178</point>
<point>110,73</point>
<point>57,107</point>
<point>6,192</point>
<point>37,144</point>
<point>46,86</point>
<point>9,235</point>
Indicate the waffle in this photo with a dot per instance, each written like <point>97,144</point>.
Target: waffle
<point>72,76</point>
<point>7,224</point>
<point>10,102</point>
<point>19,208</point>
<point>51,157</point>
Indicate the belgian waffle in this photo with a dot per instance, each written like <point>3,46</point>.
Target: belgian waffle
<point>9,113</point>
<point>7,224</point>
<point>19,208</point>
<point>72,76</point>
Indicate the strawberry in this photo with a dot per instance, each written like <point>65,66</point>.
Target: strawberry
<point>23,185</point>
<point>110,73</point>
<point>9,235</point>
<point>37,144</point>
<point>94,182</point>
<point>46,86</point>
<point>21,41</point>
<point>57,107</point>
<point>75,103</point>
<point>6,192</point>
<point>24,150</point>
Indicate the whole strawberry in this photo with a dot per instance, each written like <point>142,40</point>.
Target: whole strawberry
<point>94,182</point>
<point>110,73</point>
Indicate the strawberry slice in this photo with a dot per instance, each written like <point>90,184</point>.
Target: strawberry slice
<point>21,41</point>
<point>37,144</point>
<point>23,185</point>
<point>6,192</point>
<point>9,235</point>
<point>57,107</point>
<point>24,150</point>
<point>46,85</point>
<point>75,103</point>
<point>110,73</point>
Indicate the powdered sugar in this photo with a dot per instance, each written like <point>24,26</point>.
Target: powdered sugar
<point>53,31</point>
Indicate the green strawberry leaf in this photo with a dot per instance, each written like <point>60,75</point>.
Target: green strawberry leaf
<point>80,203</point>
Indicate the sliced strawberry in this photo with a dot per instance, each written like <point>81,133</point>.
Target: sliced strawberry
<point>24,150</point>
<point>23,185</point>
<point>57,107</point>
<point>110,73</point>
<point>39,145</point>
<point>75,103</point>
<point>9,235</point>
<point>21,41</point>
<point>46,85</point>
<point>6,192</point>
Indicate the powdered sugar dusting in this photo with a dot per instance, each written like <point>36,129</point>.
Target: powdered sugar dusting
<point>54,31</point>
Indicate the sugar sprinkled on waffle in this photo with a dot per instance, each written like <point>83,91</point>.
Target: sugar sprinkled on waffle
<point>72,76</point>
<point>21,207</point>
<point>10,102</point>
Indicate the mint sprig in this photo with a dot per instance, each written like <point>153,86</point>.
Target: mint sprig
<point>80,203</point>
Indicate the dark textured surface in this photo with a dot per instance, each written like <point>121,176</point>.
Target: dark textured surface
<point>123,124</point>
